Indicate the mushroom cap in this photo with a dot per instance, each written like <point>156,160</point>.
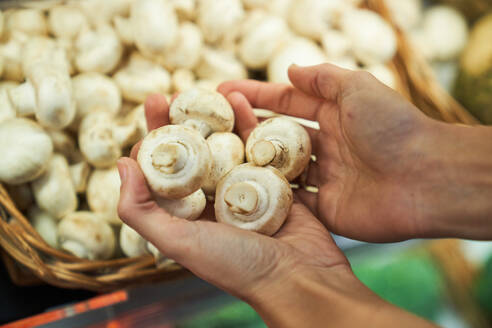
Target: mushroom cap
<point>335,44</point>
<point>94,91</point>
<point>55,104</point>
<point>446,43</point>
<point>11,51</point>
<point>53,190</point>
<point>262,192</point>
<point>227,152</point>
<point>131,243</point>
<point>189,207</point>
<point>206,111</point>
<point>182,80</point>
<point>262,40</point>
<point>66,21</point>
<point>365,29</point>
<point>311,18</point>
<point>220,65</point>
<point>96,140</point>
<point>300,51</point>
<point>291,137</point>
<point>216,18</point>
<point>103,194</point>
<point>155,26</point>
<point>26,150</point>
<point>28,21</point>
<point>141,78</point>
<point>98,50</point>
<point>175,161</point>
<point>187,51</point>
<point>44,224</point>
<point>86,235</point>
<point>406,13</point>
<point>80,173</point>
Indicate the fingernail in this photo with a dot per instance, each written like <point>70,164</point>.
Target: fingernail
<point>122,169</point>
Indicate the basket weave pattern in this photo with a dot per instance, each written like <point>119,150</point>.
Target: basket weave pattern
<point>28,256</point>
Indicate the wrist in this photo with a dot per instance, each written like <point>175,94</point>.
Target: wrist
<point>311,298</point>
<point>456,182</point>
<point>327,296</point>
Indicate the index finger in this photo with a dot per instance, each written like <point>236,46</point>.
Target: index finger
<point>156,111</point>
<point>280,98</point>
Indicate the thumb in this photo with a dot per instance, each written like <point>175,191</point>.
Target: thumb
<point>323,81</point>
<point>138,209</point>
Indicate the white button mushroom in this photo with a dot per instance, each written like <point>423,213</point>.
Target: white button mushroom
<point>217,18</point>
<point>54,191</point>
<point>97,141</point>
<point>141,78</point>
<point>66,21</point>
<point>365,29</point>
<point>205,111</point>
<point>7,111</point>
<point>103,194</point>
<point>137,116</point>
<point>79,173</point>
<point>11,52</point>
<point>253,198</point>
<point>86,235</point>
<point>131,243</point>
<point>28,21</point>
<point>26,150</point>
<point>182,80</point>
<point>188,208</point>
<point>175,161</point>
<point>220,65</point>
<point>406,13</point>
<point>300,51</point>
<point>260,42</point>
<point>97,50</point>
<point>311,18</point>
<point>445,43</point>
<point>281,143</point>
<point>227,152</point>
<point>102,12</point>
<point>154,25</point>
<point>94,91</point>
<point>44,224</point>
<point>41,50</point>
<point>55,106</point>
<point>335,44</point>
<point>40,5</point>
<point>186,51</point>
<point>23,99</point>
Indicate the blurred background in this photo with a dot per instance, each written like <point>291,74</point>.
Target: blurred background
<point>446,281</point>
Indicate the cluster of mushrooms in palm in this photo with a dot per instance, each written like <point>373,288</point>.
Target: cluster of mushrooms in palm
<point>75,75</point>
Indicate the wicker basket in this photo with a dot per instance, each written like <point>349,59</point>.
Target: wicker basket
<point>473,9</point>
<point>33,257</point>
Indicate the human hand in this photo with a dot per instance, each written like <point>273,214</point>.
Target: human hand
<point>241,262</point>
<point>385,171</point>
<point>297,278</point>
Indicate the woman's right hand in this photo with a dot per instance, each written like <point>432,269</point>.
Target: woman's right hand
<point>384,170</point>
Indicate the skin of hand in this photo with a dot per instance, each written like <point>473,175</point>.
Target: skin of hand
<point>385,171</point>
<point>297,278</point>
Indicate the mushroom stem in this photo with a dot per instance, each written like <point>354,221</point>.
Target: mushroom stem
<point>265,152</point>
<point>169,158</point>
<point>74,247</point>
<point>242,198</point>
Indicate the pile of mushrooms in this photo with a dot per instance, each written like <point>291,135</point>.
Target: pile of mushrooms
<point>74,75</point>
